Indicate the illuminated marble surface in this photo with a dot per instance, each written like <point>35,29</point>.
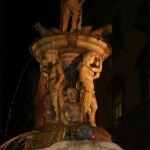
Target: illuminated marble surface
<point>82,145</point>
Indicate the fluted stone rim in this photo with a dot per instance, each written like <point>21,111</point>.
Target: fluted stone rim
<point>77,43</point>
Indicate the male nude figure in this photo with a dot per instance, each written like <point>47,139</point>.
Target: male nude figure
<point>72,8</point>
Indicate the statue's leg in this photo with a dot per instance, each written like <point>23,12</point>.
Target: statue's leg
<point>61,99</point>
<point>80,20</point>
<point>74,21</point>
<point>94,107</point>
<point>55,104</point>
<point>66,17</point>
<point>85,102</point>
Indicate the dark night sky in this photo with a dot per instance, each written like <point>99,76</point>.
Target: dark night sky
<point>18,33</point>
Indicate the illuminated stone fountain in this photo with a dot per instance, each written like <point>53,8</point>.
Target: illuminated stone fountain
<point>65,103</point>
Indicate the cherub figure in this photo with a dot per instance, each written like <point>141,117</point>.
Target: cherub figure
<point>72,111</point>
<point>89,70</point>
<point>52,68</point>
<point>72,8</point>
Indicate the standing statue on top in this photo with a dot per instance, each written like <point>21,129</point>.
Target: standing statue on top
<point>72,9</point>
<point>89,70</point>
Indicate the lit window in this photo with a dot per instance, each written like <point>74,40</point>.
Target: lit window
<point>118,105</point>
<point>118,85</point>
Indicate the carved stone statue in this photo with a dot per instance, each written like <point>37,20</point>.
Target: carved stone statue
<point>72,8</point>
<point>89,70</point>
<point>44,31</point>
<point>103,31</point>
<point>53,70</point>
<point>72,110</point>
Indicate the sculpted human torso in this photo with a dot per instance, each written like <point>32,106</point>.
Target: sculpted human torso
<point>53,75</point>
<point>86,77</point>
<point>72,110</point>
<point>71,115</point>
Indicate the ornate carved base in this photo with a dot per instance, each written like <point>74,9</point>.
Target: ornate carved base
<point>45,136</point>
<point>82,145</point>
<point>48,135</point>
